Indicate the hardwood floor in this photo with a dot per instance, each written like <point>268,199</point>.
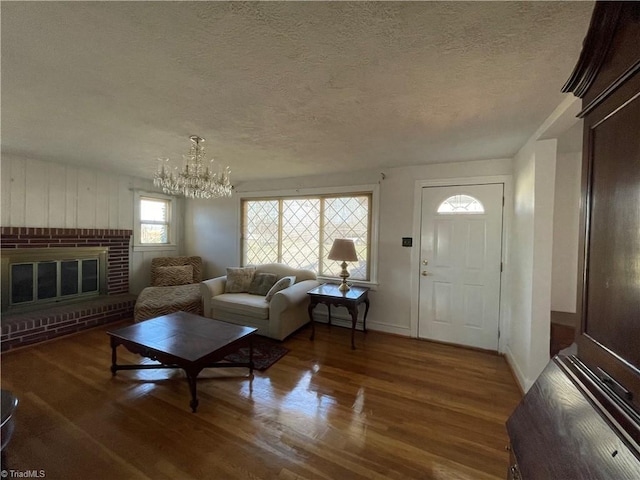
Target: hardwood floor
<point>394,408</point>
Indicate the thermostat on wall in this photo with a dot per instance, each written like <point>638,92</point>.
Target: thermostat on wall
<point>407,241</point>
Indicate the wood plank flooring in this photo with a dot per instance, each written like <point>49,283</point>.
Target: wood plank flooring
<point>395,408</point>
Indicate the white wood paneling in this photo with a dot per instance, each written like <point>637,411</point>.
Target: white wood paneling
<point>113,191</point>
<point>5,192</point>
<point>57,200</point>
<point>36,194</point>
<point>87,198</point>
<point>102,199</point>
<point>125,203</point>
<point>18,172</point>
<point>71,201</point>
<point>43,194</point>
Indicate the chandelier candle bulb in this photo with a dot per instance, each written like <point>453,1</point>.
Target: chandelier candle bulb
<point>195,180</point>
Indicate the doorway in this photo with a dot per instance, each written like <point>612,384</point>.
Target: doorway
<point>460,264</point>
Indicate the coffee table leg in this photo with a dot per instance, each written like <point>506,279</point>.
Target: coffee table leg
<point>114,363</point>
<point>192,376</point>
<point>250,356</point>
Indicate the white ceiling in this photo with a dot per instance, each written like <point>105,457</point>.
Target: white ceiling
<point>282,89</point>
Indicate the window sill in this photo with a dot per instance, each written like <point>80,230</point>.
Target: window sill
<point>154,248</point>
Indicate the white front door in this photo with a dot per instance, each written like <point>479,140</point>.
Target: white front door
<point>460,263</point>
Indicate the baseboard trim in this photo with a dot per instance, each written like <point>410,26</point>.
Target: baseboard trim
<point>515,371</point>
<point>342,320</point>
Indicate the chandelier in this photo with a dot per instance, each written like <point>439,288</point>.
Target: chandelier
<point>197,179</point>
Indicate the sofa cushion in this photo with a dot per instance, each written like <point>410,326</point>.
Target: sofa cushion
<point>241,303</point>
<point>239,279</point>
<point>262,283</point>
<point>175,275</point>
<point>281,284</point>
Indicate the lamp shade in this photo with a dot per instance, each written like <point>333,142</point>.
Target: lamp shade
<point>344,250</point>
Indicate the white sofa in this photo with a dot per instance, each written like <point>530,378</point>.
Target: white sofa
<point>284,314</point>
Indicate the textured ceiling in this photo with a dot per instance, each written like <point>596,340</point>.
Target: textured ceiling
<point>282,89</point>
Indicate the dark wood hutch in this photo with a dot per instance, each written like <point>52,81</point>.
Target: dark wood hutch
<point>581,418</point>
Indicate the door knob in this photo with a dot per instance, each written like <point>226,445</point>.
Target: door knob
<point>424,273</point>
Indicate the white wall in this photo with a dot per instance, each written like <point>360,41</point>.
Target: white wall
<point>566,221</point>
<point>213,228</point>
<point>531,259</point>
<point>521,262</point>
<point>211,231</point>
<point>53,195</point>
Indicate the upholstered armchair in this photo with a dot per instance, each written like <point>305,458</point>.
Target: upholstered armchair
<point>175,286</point>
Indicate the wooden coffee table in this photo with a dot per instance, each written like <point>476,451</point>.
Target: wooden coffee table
<point>183,340</point>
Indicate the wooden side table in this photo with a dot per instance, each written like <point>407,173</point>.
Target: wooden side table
<point>329,294</point>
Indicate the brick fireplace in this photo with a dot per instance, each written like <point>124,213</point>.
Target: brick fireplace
<point>25,326</point>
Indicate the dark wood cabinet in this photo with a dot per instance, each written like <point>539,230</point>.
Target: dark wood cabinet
<point>581,419</point>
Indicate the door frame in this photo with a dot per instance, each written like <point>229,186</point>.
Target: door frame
<point>507,212</point>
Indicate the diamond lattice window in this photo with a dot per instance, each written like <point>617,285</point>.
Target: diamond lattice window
<point>261,231</point>
<point>460,204</point>
<point>300,231</point>
<point>346,217</point>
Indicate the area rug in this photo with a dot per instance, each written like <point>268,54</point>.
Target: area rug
<point>266,352</point>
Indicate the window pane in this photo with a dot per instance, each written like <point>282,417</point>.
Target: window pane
<point>21,283</point>
<point>260,234</point>
<point>346,217</point>
<point>47,280</point>
<point>153,210</point>
<point>301,233</point>
<point>89,276</point>
<point>69,277</point>
<point>460,204</point>
<point>151,233</point>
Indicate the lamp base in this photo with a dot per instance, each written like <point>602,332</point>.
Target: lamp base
<point>344,275</point>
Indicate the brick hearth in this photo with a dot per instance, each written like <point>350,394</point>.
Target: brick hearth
<point>19,329</point>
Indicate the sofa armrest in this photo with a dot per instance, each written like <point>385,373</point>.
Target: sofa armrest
<point>210,288</point>
<point>293,295</point>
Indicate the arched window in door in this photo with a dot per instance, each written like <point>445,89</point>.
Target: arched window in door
<point>460,204</point>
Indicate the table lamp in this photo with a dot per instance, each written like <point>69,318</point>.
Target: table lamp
<point>343,250</point>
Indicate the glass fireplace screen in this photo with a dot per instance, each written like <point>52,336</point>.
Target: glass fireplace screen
<point>52,280</point>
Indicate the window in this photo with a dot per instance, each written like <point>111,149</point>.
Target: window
<point>460,204</point>
<point>300,231</point>
<point>154,221</point>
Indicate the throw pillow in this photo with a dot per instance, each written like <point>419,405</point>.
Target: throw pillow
<point>176,275</point>
<point>262,283</point>
<point>281,284</point>
<point>239,279</point>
